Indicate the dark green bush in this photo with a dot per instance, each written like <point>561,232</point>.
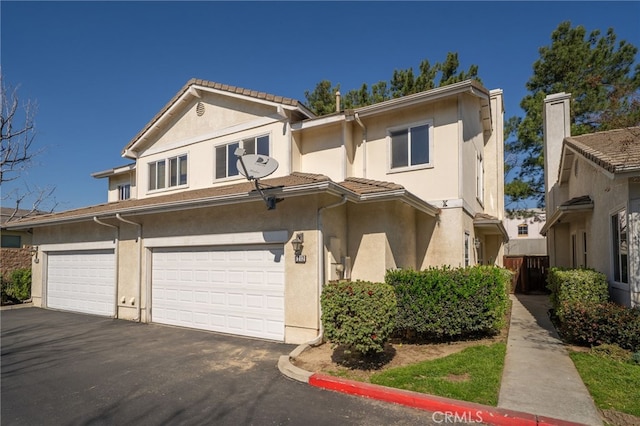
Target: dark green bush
<point>598,324</point>
<point>19,285</point>
<point>569,286</point>
<point>445,303</point>
<point>358,314</point>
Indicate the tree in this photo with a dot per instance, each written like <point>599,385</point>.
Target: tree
<point>403,82</point>
<point>597,72</point>
<point>17,133</point>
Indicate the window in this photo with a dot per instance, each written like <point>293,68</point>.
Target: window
<point>124,192</point>
<point>11,241</point>
<point>620,247</point>
<point>411,146</point>
<point>466,248</point>
<point>523,230</point>
<point>584,249</point>
<point>226,160</point>
<point>177,176</point>
<point>480,179</point>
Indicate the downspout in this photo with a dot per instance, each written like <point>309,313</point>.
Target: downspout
<point>139,273</point>
<point>117,241</point>
<point>364,145</point>
<point>321,267</point>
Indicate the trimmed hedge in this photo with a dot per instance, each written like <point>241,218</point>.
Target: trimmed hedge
<point>601,324</point>
<point>571,286</point>
<point>358,314</point>
<point>445,303</point>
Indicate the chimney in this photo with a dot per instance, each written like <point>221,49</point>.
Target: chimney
<point>556,127</point>
<point>338,101</point>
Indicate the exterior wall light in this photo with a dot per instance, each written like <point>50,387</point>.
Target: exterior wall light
<point>297,244</point>
<point>476,242</point>
<point>34,253</point>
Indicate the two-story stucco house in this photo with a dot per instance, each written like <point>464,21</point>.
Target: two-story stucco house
<point>185,239</point>
<point>593,200</point>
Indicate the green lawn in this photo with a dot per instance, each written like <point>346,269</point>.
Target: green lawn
<point>471,375</point>
<point>614,385</point>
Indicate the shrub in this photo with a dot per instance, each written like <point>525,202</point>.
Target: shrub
<point>445,303</point>
<point>598,324</point>
<point>358,314</point>
<point>569,286</point>
<point>19,285</point>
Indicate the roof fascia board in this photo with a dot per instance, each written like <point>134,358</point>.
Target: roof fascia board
<point>317,122</point>
<point>467,86</point>
<point>114,171</point>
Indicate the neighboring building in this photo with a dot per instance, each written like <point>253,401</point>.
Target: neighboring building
<point>524,233</point>
<point>186,240</point>
<point>15,244</point>
<point>593,200</point>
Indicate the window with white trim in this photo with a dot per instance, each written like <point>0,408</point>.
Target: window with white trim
<point>124,192</point>
<point>177,175</point>
<point>411,146</point>
<point>620,247</point>
<point>226,160</point>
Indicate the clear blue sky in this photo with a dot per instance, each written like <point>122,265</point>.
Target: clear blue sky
<point>100,71</point>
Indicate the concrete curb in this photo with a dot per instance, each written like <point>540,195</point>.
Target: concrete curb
<point>20,306</point>
<point>459,410</point>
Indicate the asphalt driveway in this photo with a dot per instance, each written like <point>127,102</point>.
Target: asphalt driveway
<point>72,369</point>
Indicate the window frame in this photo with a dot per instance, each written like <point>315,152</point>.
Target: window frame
<point>166,180</point>
<point>408,127</point>
<point>258,147</point>
<point>619,267</point>
<point>126,189</point>
<point>467,249</point>
<point>524,226</point>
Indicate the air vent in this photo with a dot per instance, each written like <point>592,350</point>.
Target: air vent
<point>200,109</point>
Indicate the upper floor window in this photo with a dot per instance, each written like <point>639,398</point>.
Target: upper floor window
<point>620,247</point>
<point>177,175</point>
<point>523,230</point>
<point>411,146</point>
<point>124,192</point>
<point>226,160</point>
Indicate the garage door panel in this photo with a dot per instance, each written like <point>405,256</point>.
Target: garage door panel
<point>82,281</point>
<point>232,290</point>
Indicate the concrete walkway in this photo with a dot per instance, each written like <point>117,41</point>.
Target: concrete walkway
<point>539,377</point>
<point>540,384</point>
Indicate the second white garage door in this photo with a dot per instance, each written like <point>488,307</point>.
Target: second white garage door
<point>237,290</point>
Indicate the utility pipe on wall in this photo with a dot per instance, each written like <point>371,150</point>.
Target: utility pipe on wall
<point>364,145</point>
<point>321,267</point>
<point>117,241</point>
<point>139,272</point>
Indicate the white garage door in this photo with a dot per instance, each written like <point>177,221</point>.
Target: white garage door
<point>82,281</point>
<point>237,290</point>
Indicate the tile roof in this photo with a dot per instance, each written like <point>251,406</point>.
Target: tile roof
<point>368,186</point>
<point>616,151</point>
<point>355,189</point>
<point>181,197</point>
<point>583,200</point>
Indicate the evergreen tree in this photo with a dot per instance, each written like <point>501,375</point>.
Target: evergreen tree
<point>597,72</point>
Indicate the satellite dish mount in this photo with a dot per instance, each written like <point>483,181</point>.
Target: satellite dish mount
<point>254,167</point>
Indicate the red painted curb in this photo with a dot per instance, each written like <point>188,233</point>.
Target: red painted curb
<point>455,410</point>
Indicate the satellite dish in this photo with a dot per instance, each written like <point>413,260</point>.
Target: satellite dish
<point>255,166</point>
